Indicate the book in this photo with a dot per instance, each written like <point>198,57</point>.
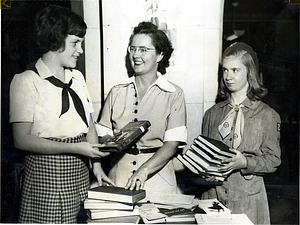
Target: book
<point>216,145</point>
<point>151,214</point>
<point>107,205</point>
<point>127,136</point>
<point>210,152</point>
<point>192,166</point>
<point>187,164</point>
<point>171,199</point>
<point>101,214</point>
<point>218,175</point>
<point>206,155</point>
<point>201,161</point>
<point>120,219</point>
<point>117,194</point>
<point>183,219</point>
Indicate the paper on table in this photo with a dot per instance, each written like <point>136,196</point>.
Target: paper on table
<point>223,219</point>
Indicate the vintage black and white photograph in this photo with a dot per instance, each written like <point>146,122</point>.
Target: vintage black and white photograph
<point>150,111</point>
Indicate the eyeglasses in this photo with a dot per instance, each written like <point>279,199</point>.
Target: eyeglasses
<point>142,50</point>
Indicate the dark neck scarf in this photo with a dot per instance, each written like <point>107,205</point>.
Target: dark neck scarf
<point>66,88</point>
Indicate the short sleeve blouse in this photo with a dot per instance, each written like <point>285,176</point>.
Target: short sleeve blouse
<point>163,105</point>
<point>34,99</point>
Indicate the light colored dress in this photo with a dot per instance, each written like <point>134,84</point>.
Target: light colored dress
<point>54,185</point>
<point>164,106</point>
<point>244,190</point>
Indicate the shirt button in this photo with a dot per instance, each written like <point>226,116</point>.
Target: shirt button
<point>136,103</point>
<point>133,171</point>
<point>135,111</point>
<point>230,139</point>
<point>134,162</point>
<point>226,191</point>
<point>135,120</point>
<point>135,95</point>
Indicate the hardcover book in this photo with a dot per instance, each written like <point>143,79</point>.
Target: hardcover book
<point>216,145</point>
<point>218,176</point>
<point>106,205</point>
<point>206,155</point>
<point>117,220</point>
<point>116,194</point>
<point>193,167</point>
<point>202,162</point>
<point>127,136</point>
<point>209,151</point>
<point>101,214</point>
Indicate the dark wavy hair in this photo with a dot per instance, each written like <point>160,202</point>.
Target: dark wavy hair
<point>160,41</point>
<point>54,23</point>
<point>256,90</point>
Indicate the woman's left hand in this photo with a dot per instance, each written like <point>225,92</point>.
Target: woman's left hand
<point>137,180</point>
<point>235,163</point>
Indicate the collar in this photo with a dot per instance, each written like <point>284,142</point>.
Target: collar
<point>247,103</point>
<point>161,82</point>
<point>44,71</point>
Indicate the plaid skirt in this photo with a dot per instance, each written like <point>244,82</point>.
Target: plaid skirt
<point>54,186</point>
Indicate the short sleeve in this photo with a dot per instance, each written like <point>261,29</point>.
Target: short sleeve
<point>104,126</point>
<point>176,128</point>
<point>22,98</point>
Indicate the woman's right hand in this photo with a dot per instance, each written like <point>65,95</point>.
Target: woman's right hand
<point>91,150</point>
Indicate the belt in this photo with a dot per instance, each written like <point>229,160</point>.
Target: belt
<point>136,151</point>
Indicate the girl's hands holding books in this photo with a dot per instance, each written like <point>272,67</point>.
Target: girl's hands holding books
<point>235,163</point>
<point>91,150</point>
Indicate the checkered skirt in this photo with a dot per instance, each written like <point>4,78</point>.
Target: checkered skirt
<point>54,187</point>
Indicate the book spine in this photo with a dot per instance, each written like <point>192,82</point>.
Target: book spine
<point>207,149</point>
<point>187,164</point>
<point>109,197</point>
<point>197,158</point>
<point>218,150</point>
<point>205,154</point>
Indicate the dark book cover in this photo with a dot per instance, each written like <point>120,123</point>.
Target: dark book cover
<point>201,161</point>
<point>117,194</point>
<point>217,146</point>
<point>205,154</point>
<point>208,150</point>
<point>127,136</point>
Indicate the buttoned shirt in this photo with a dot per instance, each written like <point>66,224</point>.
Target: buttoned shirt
<point>163,105</point>
<point>244,191</point>
<point>34,99</point>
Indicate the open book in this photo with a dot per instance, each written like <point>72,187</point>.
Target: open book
<point>127,137</point>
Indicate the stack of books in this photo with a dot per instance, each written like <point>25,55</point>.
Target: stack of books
<point>112,204</point>
<point>205,157</point>
<point>169,209</point>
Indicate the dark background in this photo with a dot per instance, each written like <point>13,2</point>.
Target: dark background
<point>271,27</point>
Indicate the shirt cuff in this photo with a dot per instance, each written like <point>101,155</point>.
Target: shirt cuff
<point>251,163</point>
<point>102,130</point>
<point>176,134</point>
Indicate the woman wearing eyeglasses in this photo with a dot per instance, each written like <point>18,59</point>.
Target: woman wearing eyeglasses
<point>146,96</point>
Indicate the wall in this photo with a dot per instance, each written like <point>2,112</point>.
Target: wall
<point>195,28</point>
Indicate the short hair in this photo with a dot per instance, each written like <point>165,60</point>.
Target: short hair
<point>160,41</point>
<point>256,90</point>
<point>54,23</point>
